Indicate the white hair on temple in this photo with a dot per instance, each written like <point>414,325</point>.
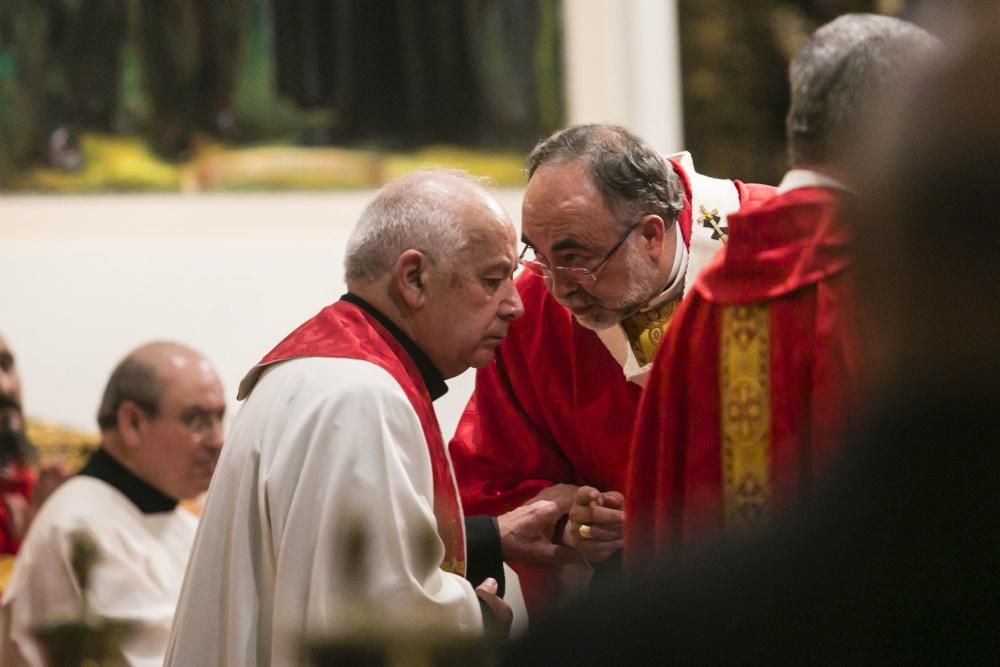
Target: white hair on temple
<point>419,211</point>
<point>836,77</point>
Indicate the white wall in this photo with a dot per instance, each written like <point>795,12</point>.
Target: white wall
<point>623,66</point>
<point>85,279</point>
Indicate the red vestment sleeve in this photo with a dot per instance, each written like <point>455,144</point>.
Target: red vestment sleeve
<point>514,458</point>
<point>553,408</point>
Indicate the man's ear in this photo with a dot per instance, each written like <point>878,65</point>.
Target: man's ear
<point>131,421</point>
<point>411,273</point>
<point>653,231</point>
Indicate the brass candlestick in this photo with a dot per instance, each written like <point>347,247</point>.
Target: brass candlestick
<point>89,640</point>
<point>374,637</point>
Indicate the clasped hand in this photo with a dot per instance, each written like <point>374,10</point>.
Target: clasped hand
<point>594,528</point>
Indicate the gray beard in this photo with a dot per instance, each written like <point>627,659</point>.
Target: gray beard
<point>643,285</point>
<point>606,318</point>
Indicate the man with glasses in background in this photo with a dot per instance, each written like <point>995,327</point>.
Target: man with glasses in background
<point>613,235</point>
<point>161,434</point>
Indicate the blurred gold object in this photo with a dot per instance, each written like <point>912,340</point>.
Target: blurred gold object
<point>60,443</point>
<point>88,640</point>
<point>585,532</point>
<point>6,570</point>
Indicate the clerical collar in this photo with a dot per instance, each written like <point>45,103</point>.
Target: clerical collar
<point>674,288</point>
<point>149,500</point>
<point>436,386</point>
<point>807,178</point>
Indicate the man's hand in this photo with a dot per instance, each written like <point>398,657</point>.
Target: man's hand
<point>501,616</point>
<point>595,523</point>
<point>527,532</point>
<point>561,494</point>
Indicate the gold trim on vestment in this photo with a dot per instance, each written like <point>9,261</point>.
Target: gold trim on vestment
<point>745,398</point>
<point>645,330</point>
<point>454,566</point>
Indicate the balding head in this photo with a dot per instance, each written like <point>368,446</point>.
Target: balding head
<point>428,210</point>
<point>435,253</point>
<point>632,176</point>
<point>139,378</point>
<point>161,417</point>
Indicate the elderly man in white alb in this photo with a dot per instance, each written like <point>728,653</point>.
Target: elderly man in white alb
<point>338,426</point>
<point>161,433</point>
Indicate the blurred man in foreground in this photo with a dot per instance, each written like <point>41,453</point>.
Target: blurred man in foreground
<point>894,560</point>
<point>161,433</point>
<point>753,384</point>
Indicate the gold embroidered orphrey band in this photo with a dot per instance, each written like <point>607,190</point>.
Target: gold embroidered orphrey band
<point>645,330</point>
<point>745,394</point>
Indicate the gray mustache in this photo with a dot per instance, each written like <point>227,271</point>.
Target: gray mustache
<point>579,300</point>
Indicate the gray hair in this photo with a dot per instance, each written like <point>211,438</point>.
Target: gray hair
<point>631,175</point>
<point>134,379</point>
<point>835,79</point>
<point>419,211</point>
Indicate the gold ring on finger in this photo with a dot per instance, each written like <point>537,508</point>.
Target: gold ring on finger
<point>585,531</point>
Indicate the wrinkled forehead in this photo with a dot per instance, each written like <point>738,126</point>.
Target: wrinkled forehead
<point>491,241</point>
<point>183,374</point>
<point>484,220</point>
<point>492,210</point>
<point>563,200</point>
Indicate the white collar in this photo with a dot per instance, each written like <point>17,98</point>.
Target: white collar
<point>807,178</point>
<point>675,283</point>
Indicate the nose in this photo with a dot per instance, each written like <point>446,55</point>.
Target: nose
<point>215,435</point>
<point>512,308</point>
<point>561,285</point>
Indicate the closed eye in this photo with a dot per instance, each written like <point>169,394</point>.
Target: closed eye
<point>493,284</point>
<point>572,260</point>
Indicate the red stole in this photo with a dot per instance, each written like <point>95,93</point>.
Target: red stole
<point>346,331</point>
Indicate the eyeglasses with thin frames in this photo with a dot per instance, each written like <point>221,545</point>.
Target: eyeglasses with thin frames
<point>575,273</point>
<point>198,422</point>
